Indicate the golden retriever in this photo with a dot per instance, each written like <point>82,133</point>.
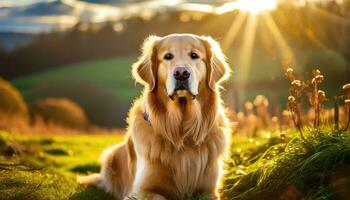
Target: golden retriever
<point>177,129</point>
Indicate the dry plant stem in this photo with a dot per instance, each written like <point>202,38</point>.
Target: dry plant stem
<point>347,125</point>
<point>299,122</point>
<point>336,114</point>
<point>316,105</point>
<point>296,124</point>
<point>318,114</point>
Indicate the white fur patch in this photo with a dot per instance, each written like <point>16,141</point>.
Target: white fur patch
<point>141,167</point>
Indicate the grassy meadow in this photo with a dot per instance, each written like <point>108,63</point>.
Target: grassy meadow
<point>46,166</point>
<point>284,166</point>
<point>271,166</point>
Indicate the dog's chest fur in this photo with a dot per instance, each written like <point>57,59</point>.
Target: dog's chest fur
<point>188,168</point>
<point>191,165</point>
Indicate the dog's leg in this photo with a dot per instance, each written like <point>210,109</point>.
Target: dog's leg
<point>91,180</point>
<point>156,197</point>
<point>116,175</point>
<point>117,170</point>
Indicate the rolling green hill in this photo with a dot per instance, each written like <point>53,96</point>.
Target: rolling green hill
<point>113,74</point>
<point>104,88</point>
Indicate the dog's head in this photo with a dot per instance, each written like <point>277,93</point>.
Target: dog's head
<point>179,64</point>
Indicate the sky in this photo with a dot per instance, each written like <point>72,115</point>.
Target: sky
<point>18,20</point>
<point>17,2</point>
<point>24,2</point>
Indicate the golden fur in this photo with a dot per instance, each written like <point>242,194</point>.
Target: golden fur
<point>176,153</point>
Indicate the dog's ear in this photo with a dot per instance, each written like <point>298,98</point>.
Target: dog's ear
<point>145,69</point>
<point>218,69</point>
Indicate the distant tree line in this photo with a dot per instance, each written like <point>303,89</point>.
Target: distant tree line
<point>310,27</point>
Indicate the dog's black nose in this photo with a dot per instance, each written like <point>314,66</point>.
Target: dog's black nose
<point>182,73</point>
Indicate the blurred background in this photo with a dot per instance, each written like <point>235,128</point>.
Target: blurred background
<point>69,61</point>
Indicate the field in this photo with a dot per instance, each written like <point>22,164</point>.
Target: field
<point>283,166</point>
<point>45,167</point>
<point>270,166</point>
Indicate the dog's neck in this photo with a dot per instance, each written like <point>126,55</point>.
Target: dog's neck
<point>181,122</point>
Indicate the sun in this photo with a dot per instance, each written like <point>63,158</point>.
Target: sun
<point>256,6</point>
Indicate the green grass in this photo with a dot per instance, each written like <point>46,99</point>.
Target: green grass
<point>317,168</point>
<point>45,167</point>
<point>273,167</point>
<point>114,75</point>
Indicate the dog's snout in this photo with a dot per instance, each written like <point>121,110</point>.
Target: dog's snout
<point>181,73</point>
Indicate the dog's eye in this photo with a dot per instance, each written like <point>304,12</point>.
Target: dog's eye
<point>194,56</point>
<point>168,56</point>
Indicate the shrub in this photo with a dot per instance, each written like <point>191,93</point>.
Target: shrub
<point>61,111</point>
<point>101,106</point>
<point>11,101</point>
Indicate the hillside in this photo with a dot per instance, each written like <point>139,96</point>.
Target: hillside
<point>104,88</point>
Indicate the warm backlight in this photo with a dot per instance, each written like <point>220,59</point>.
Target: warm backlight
<point>256,6</point>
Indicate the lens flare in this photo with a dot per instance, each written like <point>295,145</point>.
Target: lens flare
<point>256,6</point>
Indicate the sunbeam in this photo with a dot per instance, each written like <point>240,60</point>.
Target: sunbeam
<point>326,15</point>
<point>245,52</point>
<point>284,48</point>
<point>233,30</point>
<point>313,38</point>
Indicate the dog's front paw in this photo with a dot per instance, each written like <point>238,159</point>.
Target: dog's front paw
<point>147,196</point>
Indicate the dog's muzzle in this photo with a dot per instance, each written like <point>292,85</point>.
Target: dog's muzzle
<point>182,85</point>
<point>182,76</point>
